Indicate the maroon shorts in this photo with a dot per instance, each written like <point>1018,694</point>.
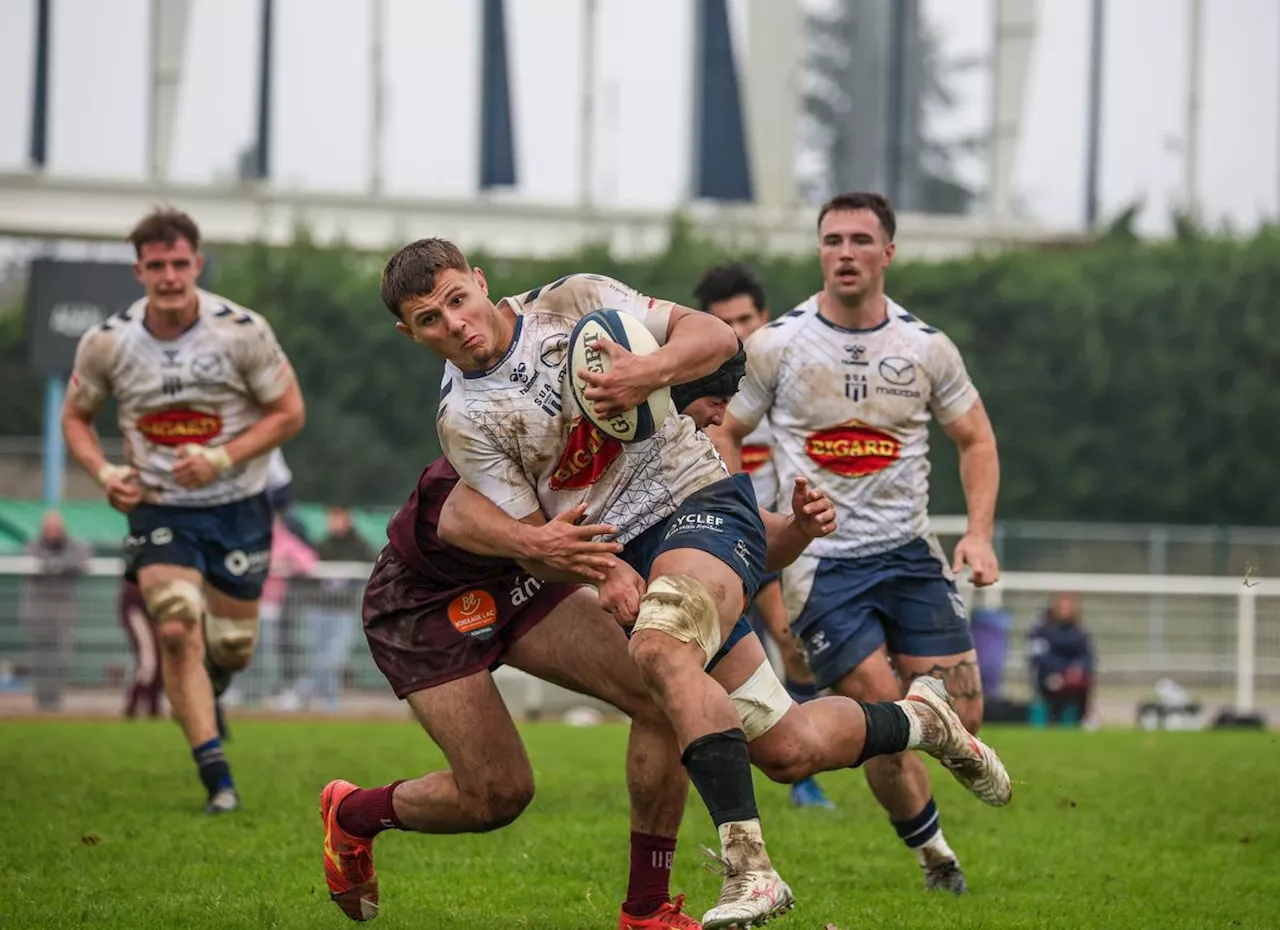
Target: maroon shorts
<point>421,637</point>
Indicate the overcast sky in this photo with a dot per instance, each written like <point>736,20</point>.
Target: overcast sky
<point>644,86</point>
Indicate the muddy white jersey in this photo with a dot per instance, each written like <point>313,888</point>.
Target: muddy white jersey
<point>849,409</point>
<point>757,461</point>
<point>207,386</point>
<point>515,433</point>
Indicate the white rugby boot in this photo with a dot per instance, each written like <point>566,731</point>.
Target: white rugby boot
<point>936,729</point>
<point>752,893</point>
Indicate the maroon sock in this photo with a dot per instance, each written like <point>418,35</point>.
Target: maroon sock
<point>366,812</point>
<point>153,695</point>
<point>131,697</point>
<point>649,886</point>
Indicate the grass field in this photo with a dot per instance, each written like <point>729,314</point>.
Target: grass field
<point>1108,829</point>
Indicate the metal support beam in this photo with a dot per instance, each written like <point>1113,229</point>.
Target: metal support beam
<point>262,150</point>
<point>1094,143</point>
<point>55,449</point>
<point>39,150</point>
<point>377,92</point>
<point>586,157</point>
<point>1015,36</point>
<point>1191,144</point>
<point>168,53</point>
<point>771,82</point>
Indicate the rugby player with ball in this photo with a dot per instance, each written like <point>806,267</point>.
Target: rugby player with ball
<point>693,537</point>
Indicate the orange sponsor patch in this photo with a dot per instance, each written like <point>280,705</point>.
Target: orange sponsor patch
<point>472,612</point>
<point>177,427</point>
<point>753,457</point>
<point>587,455</point>
<point>853,449</point>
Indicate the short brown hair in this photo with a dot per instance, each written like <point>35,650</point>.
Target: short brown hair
<point>863,200</point>
<point>412,271</point>
<point>164,224</point>
<point>725,282</point>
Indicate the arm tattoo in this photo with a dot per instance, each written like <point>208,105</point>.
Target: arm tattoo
<point>961,678</point>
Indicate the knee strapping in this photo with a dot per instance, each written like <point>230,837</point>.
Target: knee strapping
<point>761,701</point>
<point>683,608</point>
<point>178,600</point>
<point>230,640</point>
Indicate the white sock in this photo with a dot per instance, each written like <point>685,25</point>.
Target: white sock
<point>915,733</point>
<point>934,851</point>
<point>745,829</point>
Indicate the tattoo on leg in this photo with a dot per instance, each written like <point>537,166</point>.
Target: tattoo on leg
<point>961,678</point>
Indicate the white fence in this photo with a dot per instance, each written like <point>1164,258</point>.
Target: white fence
<point>1219,636</point>
<point>1204,630</point>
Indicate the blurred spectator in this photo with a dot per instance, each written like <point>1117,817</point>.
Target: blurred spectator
<point>49,606</point>
<point>147,684</point>
<point>290,557</point>
<point>991,627</point>
<point>333,617</point>
<point>1062,661</point>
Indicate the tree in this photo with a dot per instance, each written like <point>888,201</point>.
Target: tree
<point>847,123</point>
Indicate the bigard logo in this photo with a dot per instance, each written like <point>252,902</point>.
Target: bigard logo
<point>587,456</point>
<point>753,457</point>
<point>853,449</point>
<point>175,427</point>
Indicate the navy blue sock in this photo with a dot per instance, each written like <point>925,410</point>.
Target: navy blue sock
<point>921,828</point>
<point>719,765</point>
<point>888,730</point>
<point>800,691</point>
<point>215,772</point>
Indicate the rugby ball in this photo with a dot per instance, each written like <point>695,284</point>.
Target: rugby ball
<point>640,422</point>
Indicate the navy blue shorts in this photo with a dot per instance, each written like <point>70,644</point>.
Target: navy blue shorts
<point>741,630</point>
<point>846,609</point>
<point>721,519</point>
<point>229,544</point>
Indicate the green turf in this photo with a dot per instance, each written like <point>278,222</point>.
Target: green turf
<point>1110,829</point>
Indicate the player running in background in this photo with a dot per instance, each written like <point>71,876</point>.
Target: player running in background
<point>204,393</point>
<point>694,538</point>
<point>848,381</point>
<point>732,293</point>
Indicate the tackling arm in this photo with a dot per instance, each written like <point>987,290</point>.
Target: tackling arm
<point>560,551</point>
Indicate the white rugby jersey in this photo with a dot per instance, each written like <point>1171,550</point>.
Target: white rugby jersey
<point>757,461</point>
<point>515,433</point>
<point>207,386</point>
<point>849,410</point>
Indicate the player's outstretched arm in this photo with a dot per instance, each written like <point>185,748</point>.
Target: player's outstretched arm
<point>812,516</point>
<point>559,550</point>
<point>980,477</point>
